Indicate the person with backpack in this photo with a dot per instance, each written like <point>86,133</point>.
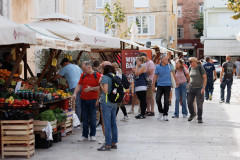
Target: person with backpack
<point>210,70</point>
<point>89,86</point>
<point>226,78</point>
<point>182,76</point>
<point>126,85</point>
<point>196,88</point>
<point>109,107</point>
<point>141,85</point>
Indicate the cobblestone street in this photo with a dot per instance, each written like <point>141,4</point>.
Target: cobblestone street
<point>217,138</point>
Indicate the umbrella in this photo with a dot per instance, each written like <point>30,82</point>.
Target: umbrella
<point>134,32</point>
<point>238,36</point>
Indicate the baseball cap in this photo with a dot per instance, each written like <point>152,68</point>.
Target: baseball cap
<point>193,59</point>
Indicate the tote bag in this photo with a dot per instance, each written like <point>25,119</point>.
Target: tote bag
<point>172,78</point>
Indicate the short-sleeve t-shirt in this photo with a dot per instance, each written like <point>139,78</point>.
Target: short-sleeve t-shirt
<point>72,74</point>
<point>89,80</point>
<point>181,76</point>
<point>107,80</point>
<point>228,70</point>
<point>209,68</point>
<point>196,78</point>
<point>164,77</point>
<point>149,66</point>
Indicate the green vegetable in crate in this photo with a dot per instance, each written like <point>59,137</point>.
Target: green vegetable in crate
<point>47,115</point>
<point>60,115</point>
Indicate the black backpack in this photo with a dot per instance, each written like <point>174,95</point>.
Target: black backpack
<point>125,82</point>
<point>117,92</point>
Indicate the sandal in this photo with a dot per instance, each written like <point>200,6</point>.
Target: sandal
<point>151,114</point>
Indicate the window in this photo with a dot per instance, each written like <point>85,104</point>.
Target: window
<point>201,8</point>
<point>180,32</point>
<point>141,3</point>
<point>145,24</point>
<point>100,25</point>
<point>101,3</point>
<point>179,11</point>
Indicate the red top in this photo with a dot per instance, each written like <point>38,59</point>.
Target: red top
<point>89,80</point>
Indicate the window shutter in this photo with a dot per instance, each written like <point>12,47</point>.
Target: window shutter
<point>141,3</point>
<point>99,3</point>
<point>131,19</point>
<point>151,25</point>
<point>100,24</point>
<point>106,1</point>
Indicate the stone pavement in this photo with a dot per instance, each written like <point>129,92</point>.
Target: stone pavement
<point>217,138</point>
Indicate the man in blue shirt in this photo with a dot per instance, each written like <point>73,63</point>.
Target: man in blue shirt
<point>210,70</point>
<point>72,74</point>
<point>163,77</point>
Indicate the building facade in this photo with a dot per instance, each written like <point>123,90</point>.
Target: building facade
<point>156,19</point>
<point>187,11</point>
<point>220,31</point>
<point>23,11</point>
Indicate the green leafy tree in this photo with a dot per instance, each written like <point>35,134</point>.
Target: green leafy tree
<point>198,25</point>
<point>115,18</point>
<point>234,5</point>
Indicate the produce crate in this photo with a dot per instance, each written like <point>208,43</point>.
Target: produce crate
<point>17,138</point>
<point>39,125</point>
<point>67,127</point>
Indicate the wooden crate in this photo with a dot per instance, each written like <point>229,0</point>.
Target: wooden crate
<point>39,125</point>
<point>67,127</point>
<point>17,138</point>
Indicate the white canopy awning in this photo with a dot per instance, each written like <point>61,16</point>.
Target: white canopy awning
<point>221,47</point>
<point>12,33</point>
<point>46,39</point>
<point>76,32</point>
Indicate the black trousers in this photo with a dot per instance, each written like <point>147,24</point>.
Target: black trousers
<point>143,102</point>
<point>123,108</point>
<point>163,90</point>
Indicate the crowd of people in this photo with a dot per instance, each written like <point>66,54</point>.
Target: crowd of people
<point>92,85</point>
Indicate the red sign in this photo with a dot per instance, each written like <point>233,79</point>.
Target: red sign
<point>128,60</point>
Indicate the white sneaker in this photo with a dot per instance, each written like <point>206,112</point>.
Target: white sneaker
<point>160,115</point>
<point>82,138</point>
<point>184,116</point>
<point>165,118</point>
<point>93,138</point>
<point>101,141</point>
<point>125,118</point>
<point>99,128</point>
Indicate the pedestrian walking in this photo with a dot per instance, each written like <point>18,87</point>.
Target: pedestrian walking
<point>210,70</point>
<point>150,67</point>
<point>141,85</point>
<point>237,63</point>
<point>72,74</point>
<point>162,75</point>
<point>226,78</point>
<point>196,88</point>
<point>89,86</point>
<point>182,76</point>
<point>109,110</point>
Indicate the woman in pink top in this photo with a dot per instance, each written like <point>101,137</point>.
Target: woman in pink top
<point>182,76</point>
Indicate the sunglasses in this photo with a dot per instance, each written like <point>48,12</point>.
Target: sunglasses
<point>190,61</point>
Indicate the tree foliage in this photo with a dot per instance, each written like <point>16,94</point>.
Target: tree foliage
<point>115,18</point>
<point>234,5</point>
<point>198,25</point>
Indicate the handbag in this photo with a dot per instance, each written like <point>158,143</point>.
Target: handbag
<point>172,79</point>
<point>148,81</point>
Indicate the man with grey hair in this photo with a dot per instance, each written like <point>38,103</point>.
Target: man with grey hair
<point>89,86</point>
<point>226,78</point>
<point>163,77</point>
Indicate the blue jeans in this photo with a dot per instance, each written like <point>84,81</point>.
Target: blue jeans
<point>228,83</point>
<point>181,91</point>
<point>110,125</point>
<point>89,117</point>
<point>77,104</point>
<point>209,87</point>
